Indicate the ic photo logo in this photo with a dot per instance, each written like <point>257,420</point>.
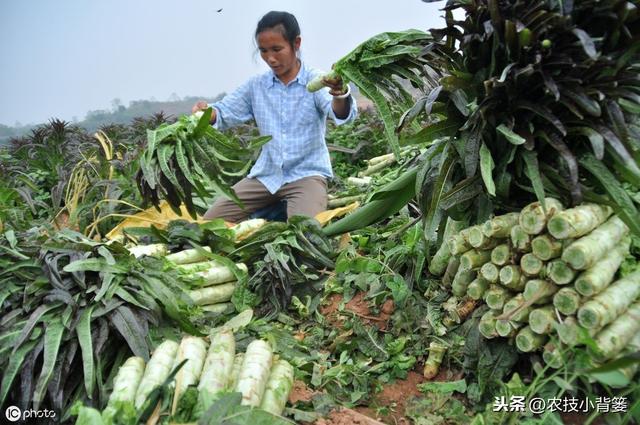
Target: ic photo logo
<point>13,414</point>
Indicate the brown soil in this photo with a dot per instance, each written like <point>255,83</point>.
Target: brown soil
<point>300,392</point>
<point>359,306</point>
<point>347,417</point>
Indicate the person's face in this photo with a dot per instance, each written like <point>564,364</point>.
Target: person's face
<point>276,51</point>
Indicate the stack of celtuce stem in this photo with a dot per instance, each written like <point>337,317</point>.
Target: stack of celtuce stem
<point>550,278</point>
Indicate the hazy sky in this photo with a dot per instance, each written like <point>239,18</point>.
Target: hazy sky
<point>63,58</point>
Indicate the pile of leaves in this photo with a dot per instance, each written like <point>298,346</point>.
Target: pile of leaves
<point>190,155</point>
<point>72,304</point>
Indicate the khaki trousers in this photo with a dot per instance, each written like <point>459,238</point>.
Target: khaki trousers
<point>307,196</point>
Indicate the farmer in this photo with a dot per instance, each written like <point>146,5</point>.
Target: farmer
<point>294,165</point>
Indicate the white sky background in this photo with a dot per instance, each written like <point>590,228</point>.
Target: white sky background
<point>64,58</point>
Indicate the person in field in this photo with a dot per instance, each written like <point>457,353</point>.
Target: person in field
<point>294,165</point>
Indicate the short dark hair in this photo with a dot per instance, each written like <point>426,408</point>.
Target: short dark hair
<point>285,22</point>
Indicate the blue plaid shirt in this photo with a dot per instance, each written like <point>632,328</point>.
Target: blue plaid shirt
<point>294,118</point>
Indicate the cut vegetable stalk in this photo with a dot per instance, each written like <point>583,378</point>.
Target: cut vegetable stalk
<point>514,309</point>
<point>278,388</point>
<point>245,228</point>
<point>477,288</point>
<point>520,240</point>
<point>188,256</point>
<point>560,272</point>
<point>254,373</point>
<point>501,255</point>
<point>153,250</point>
<point>490,272</point>
<point>474,259</point>
<point>341,202</point>
<point>587,250</point>
<point>542,320</point>
<point>157,370</point>
<point>610,303</point>
<point>126,382</point>
<point>500,226</point>
<point>478,240</point>
<point>218,308</point>
<point>539,291</point>
<point>567,301</point>
<point>376,168</point>
<point>613,338</point>
<point>194,350</point>
<point>596,278</point>
<point>436,354</point>
<point>507,328</point>
<point>450,272</point>
<point>578,221</point>
<point>197,267</point>
<point>217,275</point>
<point>531,265</point>
<point>496,296</point>
<point>487,324</point>
<point>217,369</point>
<point>361,182</point>
<point>458,244</point>
<point>533,218</point>
<point>571,333</point>
<point>545,247</point>
<point>213,294</point>
<point>461,281</point>
<point>235,372</point>
<point>527,340</point>
<point>440,260</point>
<point>317,82</point>
<point>511,278</point>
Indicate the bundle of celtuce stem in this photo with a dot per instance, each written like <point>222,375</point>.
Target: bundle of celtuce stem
<point>209,367</point>
<point>549,276</point>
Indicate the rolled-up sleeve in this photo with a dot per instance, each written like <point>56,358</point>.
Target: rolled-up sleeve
<point>323,101</point>
<point>235,108</point>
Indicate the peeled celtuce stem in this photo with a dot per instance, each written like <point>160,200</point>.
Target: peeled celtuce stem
<point>587,250</point>
<point>278,388</point>
<point>216,275</point>
<point>593,280</point>
<point>531,265</point>
<point>527,340</point>
<point>520,240</point>
<point>194,350</point>
<point>217,368</point>
<point>436,354</point>
<point>490,272</point>
<point>545,247</point>
<point>157,370</point>
<point>213,294</point>
<point>247,227</point>
<point>235,372</point>
<point>533,218</point>
<point>500,226</point>
<point>127,381</point>
<point>560,272</point>
<point>603,308</point>
<point>578,221</point>
<point>254,373</point>
<point>501,255</point>
<point>613,338</point>
<point>567,301</point>
<point>361,182</point>
<point>188,256</point>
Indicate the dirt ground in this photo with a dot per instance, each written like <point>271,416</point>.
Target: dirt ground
<point>359,306</point>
